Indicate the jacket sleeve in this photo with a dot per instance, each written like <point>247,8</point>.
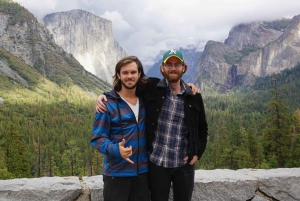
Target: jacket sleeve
<point>101,139</point>
<point>202,128</point>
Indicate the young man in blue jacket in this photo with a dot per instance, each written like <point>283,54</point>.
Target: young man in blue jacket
<point>176,130</point>
<point>119,134</point>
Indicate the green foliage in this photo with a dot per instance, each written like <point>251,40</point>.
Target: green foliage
<point>235,57</point>
<point>278,24</point>
<point>238,120</point>
<point>18,13</point>
<point>277,131</point>
<point>52,116</point>
<point>16,153</point>
<point>54,122</point>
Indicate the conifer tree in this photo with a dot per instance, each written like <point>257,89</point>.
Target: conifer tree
<point>16,153</point>
<point>277,133</point>
<point>97,162</point>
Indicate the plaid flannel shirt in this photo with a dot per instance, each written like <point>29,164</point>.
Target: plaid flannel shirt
<point>170,143</point>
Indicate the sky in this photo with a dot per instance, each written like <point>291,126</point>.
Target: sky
<point>144,27</point>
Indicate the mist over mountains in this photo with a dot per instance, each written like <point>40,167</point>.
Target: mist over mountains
<point>251,50</point>
<point>48,92</point>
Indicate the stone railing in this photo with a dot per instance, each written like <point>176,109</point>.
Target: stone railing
<point>220,184</point>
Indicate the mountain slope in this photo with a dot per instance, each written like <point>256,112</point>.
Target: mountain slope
<point>256,50</point>
<point>29,40</point>
<point>88,38</point>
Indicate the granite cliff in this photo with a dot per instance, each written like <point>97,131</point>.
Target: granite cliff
<point>88,38</point>
<point>22,35</point>
<point>251,50</point>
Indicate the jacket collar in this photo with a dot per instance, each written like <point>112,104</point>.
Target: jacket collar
<point>163,83</point>
<point>112,94</point>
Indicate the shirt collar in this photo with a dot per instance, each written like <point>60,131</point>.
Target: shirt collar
<point>163,83</point>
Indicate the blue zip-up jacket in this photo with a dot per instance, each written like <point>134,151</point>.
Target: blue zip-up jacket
<point>107,134</point>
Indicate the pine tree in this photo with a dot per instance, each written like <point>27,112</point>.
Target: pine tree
<point>16,153</point>
<point>277,132</point>
<point>97,162</point>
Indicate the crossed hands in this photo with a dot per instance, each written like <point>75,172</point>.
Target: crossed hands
<point>125,151</point>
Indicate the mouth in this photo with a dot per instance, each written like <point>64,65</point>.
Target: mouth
<point>129,81</point>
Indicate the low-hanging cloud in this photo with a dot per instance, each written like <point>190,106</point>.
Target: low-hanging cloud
<point>143,27</point>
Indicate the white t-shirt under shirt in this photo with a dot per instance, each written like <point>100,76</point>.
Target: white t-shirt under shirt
<point>134,108</point>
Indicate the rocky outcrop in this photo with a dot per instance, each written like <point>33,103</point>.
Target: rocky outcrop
<point>88,38</point>
<point>213,69</point>
<point>215,185</point>
<point>27,39</point>
<point>278,55</point>
<point>252,50</point>
<point>256,34</point>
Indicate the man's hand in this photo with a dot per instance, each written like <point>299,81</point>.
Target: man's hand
<point>100,106</point>
<point>194,88</point>
<point>125,151</point>
<point>193,161</point>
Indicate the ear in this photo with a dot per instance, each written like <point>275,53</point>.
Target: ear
<point>118,75</point>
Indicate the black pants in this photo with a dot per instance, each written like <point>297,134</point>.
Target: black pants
<point>126,188</point>
<point>160,179</point>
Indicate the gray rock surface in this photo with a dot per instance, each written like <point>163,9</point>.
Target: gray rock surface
<point>255,34</point>
<point>257,49</point>
<point>89,38</point>
<point>281,184</point>
<point>210,185</point>
<point>223,185</point>
<point>95,184</point>
<point>38,189</point>
<point>6,70</point>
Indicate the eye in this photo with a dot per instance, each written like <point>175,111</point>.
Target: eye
<point>177,65</point>
<point>169,65</point>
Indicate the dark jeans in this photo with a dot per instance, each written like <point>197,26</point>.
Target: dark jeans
<point>160,179</point>
<point>126,188</point>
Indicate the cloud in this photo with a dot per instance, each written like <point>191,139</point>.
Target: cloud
<point>145,27</point>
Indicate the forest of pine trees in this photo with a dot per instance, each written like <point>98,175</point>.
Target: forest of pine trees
<point>45,128</point>
<point>248,128</point>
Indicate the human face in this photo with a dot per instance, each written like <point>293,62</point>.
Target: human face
<point>172,69</point>
<point>129,75</point>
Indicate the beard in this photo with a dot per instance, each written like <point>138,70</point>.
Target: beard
<point>173,76</point>
<point>129,86</point>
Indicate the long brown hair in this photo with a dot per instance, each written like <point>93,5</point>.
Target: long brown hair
<point>124,61</point>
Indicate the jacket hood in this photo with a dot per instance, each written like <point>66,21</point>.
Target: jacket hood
<point>112,94</point>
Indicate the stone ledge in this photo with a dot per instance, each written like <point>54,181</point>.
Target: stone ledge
<point>215,185</point>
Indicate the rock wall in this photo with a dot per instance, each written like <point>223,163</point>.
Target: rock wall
<point>255,50</point>
<point>216,185</point>
<point>88,38</point>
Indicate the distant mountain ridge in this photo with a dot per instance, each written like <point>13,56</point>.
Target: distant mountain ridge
<point>88,38</point>
<point>251,51</point>
<point>30,41</point>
